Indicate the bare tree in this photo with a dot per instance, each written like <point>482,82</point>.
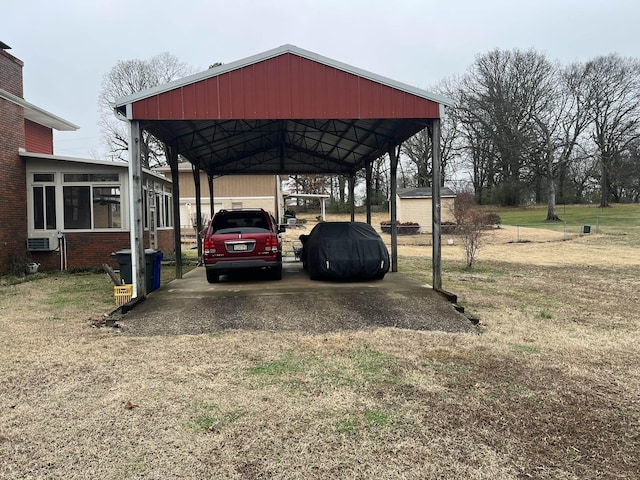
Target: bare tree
<point>418,149</point>
<point>126,78</point>
<point>625,175</point>
<point>498,98</point>
<point>613,103</point>
<point>559,124</point>
<point>470,224</point>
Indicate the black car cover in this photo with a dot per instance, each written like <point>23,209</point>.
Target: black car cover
<point>344,251</point>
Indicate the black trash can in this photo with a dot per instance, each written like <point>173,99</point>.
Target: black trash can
<point>152,267</point>
<point>586,229</point>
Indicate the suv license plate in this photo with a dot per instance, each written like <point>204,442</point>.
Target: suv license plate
<point>240,247</point>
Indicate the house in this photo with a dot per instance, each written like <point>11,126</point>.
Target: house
<point>414,205</point>
<point>229,192</point>
<point>63,212</point>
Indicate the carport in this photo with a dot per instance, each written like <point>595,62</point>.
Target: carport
<point>284,111</point>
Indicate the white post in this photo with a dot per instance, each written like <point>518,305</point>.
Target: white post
<point>136,204</point>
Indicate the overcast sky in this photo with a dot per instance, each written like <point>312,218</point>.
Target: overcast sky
<point>68,45</point>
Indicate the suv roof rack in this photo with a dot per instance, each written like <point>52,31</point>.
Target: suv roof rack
<point>226,210</point>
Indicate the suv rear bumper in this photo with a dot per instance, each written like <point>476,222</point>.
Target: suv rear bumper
<point>233,265</point>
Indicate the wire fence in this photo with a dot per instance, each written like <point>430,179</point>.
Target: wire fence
<point>504,233</point>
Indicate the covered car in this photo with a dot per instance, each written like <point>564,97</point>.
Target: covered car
<point>344,251</point>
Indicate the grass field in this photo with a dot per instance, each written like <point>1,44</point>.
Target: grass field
<point>549,388</point>
<point>615,220</point>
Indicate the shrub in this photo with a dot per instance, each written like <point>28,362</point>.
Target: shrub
<point>492,218</point>
<point>448,228</point>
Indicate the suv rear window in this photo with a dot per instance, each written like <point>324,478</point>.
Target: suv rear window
<point>239,221</point>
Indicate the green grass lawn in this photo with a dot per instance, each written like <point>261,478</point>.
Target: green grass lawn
<point>616,218</point>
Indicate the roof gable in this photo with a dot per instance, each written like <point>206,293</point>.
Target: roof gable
<point>283,83</point>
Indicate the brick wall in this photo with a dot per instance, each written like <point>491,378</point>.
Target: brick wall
<point>92,249</point>
<point>165,242</point>
<point>84,250</point>
<point>11,73</point>
<point>13,196</point>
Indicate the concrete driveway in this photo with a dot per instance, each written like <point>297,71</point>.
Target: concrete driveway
<point>192,306</point>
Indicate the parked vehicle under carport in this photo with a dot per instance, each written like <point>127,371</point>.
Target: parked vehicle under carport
<point>344,251</point>
<point>240,241</point>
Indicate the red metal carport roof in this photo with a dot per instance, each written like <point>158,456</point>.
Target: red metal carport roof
<point>286,110</point>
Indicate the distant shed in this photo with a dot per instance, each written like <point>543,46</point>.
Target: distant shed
<point>414,205</point>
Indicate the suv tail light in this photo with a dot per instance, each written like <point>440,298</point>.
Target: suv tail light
<point>209,245</point>
<point>271,245</point>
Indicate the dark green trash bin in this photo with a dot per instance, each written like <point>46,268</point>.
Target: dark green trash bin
<point>152,267</point>
<point>586,229</point>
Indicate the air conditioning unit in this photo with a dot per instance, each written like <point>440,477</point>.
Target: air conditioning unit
<point>43,242</point>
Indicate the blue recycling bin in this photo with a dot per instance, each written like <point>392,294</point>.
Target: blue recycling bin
<point>157,264</point>
<point>153,259</point>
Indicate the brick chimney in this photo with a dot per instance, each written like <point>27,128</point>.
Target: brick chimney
<point>10,71</point>
<point>13,201</point>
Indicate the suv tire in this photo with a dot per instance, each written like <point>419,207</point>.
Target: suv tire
<point>213,277</point>
<point>276,273</point>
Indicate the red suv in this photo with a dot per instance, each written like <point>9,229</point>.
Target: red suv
<point>242,239</point>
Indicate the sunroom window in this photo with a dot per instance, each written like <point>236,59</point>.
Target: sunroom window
<point>92,206</point>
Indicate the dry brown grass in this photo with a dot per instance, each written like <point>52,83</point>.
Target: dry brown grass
<point>549,389</point>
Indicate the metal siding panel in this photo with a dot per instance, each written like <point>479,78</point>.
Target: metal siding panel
<point>177,104</point>
<point>258,106</point>
<point>385,105</point>
<point>152,107</point>
<point>272,89</point>
<point>332,107</point>
<point>224,92</point>
<point>348,87</point>
<point>164,107</point>
<point>202,108</point>
<point>38,138</point>
<point>300,83</point>
<point>398,102</point>
<point>405,105</point>
<point>268,92</point>
<point>369,98</point>
<point>319,94</point>
<point>245,93</point>
<point>139,109</point>
<point>285,87</point>
<point>189,103</point>
<point>411,106</point>
<point>294,87</point>
<point>235,94</point>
